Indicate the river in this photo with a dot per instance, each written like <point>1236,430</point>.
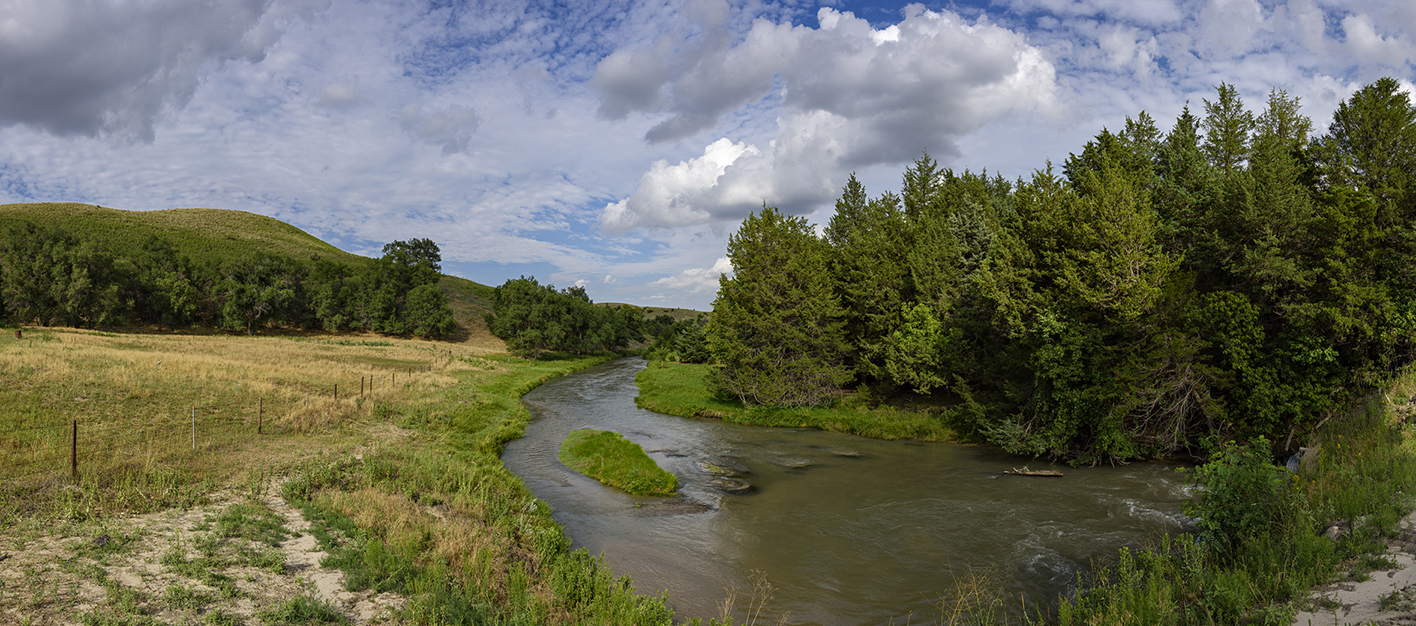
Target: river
<point>845,530</point>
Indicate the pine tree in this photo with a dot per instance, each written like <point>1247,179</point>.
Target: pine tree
<point>1227,127</point>
<point>867,242</point>
<point>777,326</point>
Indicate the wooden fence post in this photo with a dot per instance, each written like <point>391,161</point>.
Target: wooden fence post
<point>361,386</point>
<point>336,393</point>
<point>73,447</point>
<point>260,413</point>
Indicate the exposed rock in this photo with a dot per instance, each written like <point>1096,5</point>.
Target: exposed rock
<point>734,486</point>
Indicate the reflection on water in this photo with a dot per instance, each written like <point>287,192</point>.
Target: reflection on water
<point>847,530</point>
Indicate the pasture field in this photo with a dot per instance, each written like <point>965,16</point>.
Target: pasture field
<point>402,486</point>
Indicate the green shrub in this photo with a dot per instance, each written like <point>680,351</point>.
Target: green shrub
<point>1238,495</point>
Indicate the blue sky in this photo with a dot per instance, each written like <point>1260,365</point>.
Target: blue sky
<point>614,145</point>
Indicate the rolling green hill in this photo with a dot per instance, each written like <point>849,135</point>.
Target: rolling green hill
<point>201,234</point>
<point>212,236</point>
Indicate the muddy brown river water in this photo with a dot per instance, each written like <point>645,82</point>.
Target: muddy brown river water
<point>847,530</point>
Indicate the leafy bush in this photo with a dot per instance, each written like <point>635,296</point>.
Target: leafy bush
<point>1239,495</point>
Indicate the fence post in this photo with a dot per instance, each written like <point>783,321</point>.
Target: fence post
<point>73,448</point>
<point>361,386</point>
<point>194,429</point>
<point>336,393</point>
<point>260,413</point>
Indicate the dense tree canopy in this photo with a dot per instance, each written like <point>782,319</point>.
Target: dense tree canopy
<point>777,329</point>
<point>50,276</point>
<point>533,318</point>
<point>1232,277</point>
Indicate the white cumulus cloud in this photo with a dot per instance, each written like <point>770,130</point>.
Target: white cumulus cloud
<point>697,280</point>
<point>851,96</point>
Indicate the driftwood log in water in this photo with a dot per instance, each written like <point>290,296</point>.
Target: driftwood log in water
<point>1027,472</point>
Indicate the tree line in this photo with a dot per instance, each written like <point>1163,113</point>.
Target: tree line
<point>534,319</point>
<point>1234,277</point>
<point>51,276</point>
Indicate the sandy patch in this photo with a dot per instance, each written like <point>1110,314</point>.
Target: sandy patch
<point>1387,599</point>
<point>172,567</point>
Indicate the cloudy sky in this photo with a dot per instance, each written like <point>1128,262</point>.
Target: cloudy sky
<point>614,144</point>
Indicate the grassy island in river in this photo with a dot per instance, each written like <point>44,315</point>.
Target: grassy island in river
<point>615,461</point>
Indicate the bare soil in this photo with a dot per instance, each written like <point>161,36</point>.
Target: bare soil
<point>1386,598</point>
<point>174,567</point>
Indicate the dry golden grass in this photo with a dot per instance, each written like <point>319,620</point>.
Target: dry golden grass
<point>135,398</point>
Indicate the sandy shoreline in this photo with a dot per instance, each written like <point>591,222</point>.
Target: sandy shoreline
<point>1355,603</point>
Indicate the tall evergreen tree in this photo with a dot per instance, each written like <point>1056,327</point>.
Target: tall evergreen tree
<point>1227,127</point>
<point>867,240</point>
<point>777,326</point>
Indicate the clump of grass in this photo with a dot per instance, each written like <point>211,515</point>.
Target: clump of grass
<point>184,598</point>
<point>301,610</point>
<point>615,461</point>
<point>254,521</point>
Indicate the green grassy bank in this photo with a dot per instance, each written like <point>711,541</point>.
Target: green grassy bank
<point>445,523</point>
<point>679,389</point>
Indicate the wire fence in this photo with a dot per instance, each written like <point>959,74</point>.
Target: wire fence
<point>95,445</point>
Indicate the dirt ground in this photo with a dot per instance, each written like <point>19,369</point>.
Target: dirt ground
<point>243,559</point>
<point>1386,598</point>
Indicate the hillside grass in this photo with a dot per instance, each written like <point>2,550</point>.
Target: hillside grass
<point>615,461</point>
<point>680,389</point>
<point>202,234</point>
<point>217,235</point>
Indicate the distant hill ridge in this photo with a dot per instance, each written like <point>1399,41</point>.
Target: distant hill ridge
<point>201,234</point>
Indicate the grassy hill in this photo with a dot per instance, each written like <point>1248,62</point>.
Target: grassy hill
<point>216,235</point>
<point>202,234</point>
<point>655,311</point>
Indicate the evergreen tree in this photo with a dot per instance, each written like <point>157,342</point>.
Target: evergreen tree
<point>867,240</point>
<point>1227,127</point>
<point>777,326</point>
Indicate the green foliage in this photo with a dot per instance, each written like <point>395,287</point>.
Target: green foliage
<point>867,240</point>
<point>615,461</point>
<point>1238,497</point>
<point>916,353</point>
<point>776,327</point>
<point>1228,280</point>
<point>690,342</point>
<point>533,318</point>
<point>110,276</point>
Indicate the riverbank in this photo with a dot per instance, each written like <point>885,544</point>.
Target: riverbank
<point>679,389</point>
<point>1329,529</point>
<point>389,448</point>
<point>1334,525</point>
